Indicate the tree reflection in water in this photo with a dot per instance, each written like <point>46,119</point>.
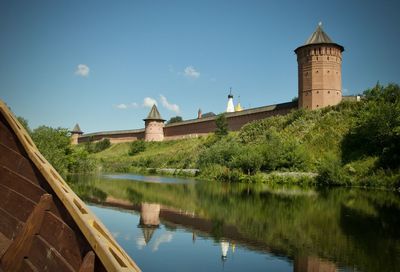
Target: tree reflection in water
<point>319,229</point>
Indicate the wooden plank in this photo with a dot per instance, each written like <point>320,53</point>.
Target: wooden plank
<point>45,258</point>
<point>16,204</point>
<point>20,184</point>
<point>112,256</point>
<point>18,163</point>
<point>12,258</point>
<point>27,266</point>
<point>8,138</point>
<point>4,243</point>
<point>63,239</point>
<point>9,225</point>
<point>88,262</point>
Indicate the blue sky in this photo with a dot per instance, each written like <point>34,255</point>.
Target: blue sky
<point>101,63</point>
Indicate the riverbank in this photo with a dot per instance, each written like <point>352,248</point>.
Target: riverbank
<point>352,144</point>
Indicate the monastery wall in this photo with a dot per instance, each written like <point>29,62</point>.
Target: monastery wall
<point>194,128</point>
<point>113,136</point>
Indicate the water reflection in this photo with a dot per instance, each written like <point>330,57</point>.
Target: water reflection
<point>149,220</point>
<point>309,229</point>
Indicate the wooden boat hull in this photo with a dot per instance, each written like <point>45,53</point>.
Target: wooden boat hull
<point>44,226</point>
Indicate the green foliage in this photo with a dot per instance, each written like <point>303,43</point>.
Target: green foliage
<point>331,172</point>
<point>249,159</point>
<point>377,128</point>
<point>283,153</point>
<point>351,143</point>
<point>222,125</point>
<point>102,145</point>
<point>175,119</point>
<point>80,162</point>
<point>55,146</point>
<point>354,227</point>
<point>257,131</point>
<point>219,172</point>
<point>95,147</point>
<point>221,152</point>
<point>156,155</point>
<point>136,147</point>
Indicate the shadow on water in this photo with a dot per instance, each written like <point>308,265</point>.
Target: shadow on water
<point>319,230</point>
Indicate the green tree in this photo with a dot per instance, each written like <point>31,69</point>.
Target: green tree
<point>249,159</point>
<point>222,125</point>
<point>55,146</point>
<point>136,147</point>
<point>175,119</point>
<point>377,128</point>
<point>101,145</point>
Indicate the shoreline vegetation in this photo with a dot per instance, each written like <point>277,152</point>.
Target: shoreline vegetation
<point>351,144</point>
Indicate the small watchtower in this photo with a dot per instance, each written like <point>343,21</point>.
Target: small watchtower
<point>154,126</point>
<point>319,71</point>
<point>75,133</point>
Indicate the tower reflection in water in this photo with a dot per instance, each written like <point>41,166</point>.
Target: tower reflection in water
<point>149,222</point>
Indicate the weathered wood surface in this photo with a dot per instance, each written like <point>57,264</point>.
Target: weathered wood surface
<point>19,249</point>
<point>44,226</point>
<point>88,262</point>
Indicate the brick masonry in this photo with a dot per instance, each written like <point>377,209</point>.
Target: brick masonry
<point>190,128</point>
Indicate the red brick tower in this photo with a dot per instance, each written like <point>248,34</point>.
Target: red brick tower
<point>154,126</point>
<point>319,71</point>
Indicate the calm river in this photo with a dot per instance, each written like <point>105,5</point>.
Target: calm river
<point>171,224</point>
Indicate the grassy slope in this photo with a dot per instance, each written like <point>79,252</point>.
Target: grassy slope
<point>168,154</point>
<point>319,133</point>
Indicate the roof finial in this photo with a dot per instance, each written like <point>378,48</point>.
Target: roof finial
<point>230,90</point>
<point>320,24</point>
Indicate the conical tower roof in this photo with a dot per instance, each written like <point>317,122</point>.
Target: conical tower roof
<point>76,129</point>
<point>148,233</point>
<point>154,114</point>
<point>319,37</point>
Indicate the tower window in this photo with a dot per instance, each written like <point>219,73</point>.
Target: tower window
<point>316,72</point>
<point>328,70</point>
<point>327,58</point>
<point>317,106</point>
<point>329,92</point>
<point>317,91</point>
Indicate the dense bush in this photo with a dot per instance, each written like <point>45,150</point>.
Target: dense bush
<point>222,125</point>
<point>377,128</point>
<point>221,152</point>
<point>136,147</point>
<point>102,145</point>
<point>55,145</point>
<point>95,147</point>
<point>249,159</point>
